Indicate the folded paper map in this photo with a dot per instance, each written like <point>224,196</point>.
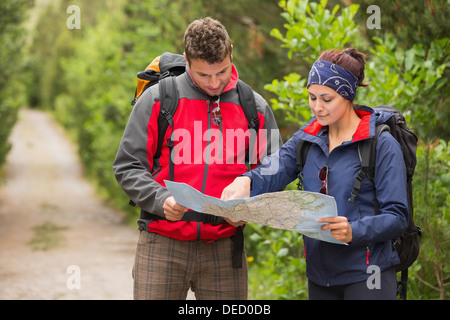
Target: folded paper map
<point>289,210</point>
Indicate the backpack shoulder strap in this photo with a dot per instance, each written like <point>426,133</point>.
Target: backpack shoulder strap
<point>367,155</point>
<point>301,153</point>
<point>247,101</point>
<point>169,99</point>
<point>169,103</point>
<point>248,104</point>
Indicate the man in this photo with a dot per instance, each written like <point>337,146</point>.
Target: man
<point>180,249</point>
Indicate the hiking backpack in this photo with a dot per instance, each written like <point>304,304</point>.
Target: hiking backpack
<point>407,245</point>
<point>163,70</point>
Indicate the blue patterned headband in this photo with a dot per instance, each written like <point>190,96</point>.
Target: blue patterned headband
<point>331,75</point>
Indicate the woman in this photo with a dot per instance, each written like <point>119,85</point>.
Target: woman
<point>336,271</point>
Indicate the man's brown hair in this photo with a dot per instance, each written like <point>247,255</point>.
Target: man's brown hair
<point>207,39</point>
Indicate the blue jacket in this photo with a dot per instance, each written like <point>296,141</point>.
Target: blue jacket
<point>332,264</point>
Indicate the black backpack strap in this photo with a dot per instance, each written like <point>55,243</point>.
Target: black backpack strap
<point>366,151</point>
<point>169,103</point>
<point>247,101</point>
<point>248,104</point>
<point>301,154</point>
<point>238,247</point>
<point>367,155</point>
<point>402,285</point>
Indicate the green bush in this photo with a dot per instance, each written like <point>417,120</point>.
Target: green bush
<point>414,80</point>
<point>12,39</point>
<point>431,273</point>
<point>276,264</point>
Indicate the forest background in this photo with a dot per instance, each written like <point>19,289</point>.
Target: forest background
<point>84,72</point>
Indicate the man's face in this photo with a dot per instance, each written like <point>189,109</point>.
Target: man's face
<point>211,78</point>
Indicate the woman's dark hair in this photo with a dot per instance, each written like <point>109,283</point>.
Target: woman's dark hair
<point>349,59</point>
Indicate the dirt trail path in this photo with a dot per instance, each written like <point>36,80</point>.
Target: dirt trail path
<point>53,227</point>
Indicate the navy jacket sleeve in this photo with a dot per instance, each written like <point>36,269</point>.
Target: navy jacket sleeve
<point>390,185</point>
<point>276,170</point>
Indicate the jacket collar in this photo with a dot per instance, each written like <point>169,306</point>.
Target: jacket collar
<point>365,130</point>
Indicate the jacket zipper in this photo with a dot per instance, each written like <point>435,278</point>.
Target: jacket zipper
<point>367,246</point>
<point>367,255</point>
<point>205,171</point>
<point>208,142</point>
<point>220,125</point>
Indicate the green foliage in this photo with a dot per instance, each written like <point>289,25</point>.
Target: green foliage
<point>412,21</point>
<point>414,81</point>
<point>312,28</point>
<point>431,198</point>
<point>292,97</point>
<point>276,263</point>
<point>12,38</point>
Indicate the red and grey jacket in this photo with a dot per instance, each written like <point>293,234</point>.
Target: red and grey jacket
<point>207,155</point>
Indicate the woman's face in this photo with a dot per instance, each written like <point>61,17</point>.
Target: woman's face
<point>327,105</point>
